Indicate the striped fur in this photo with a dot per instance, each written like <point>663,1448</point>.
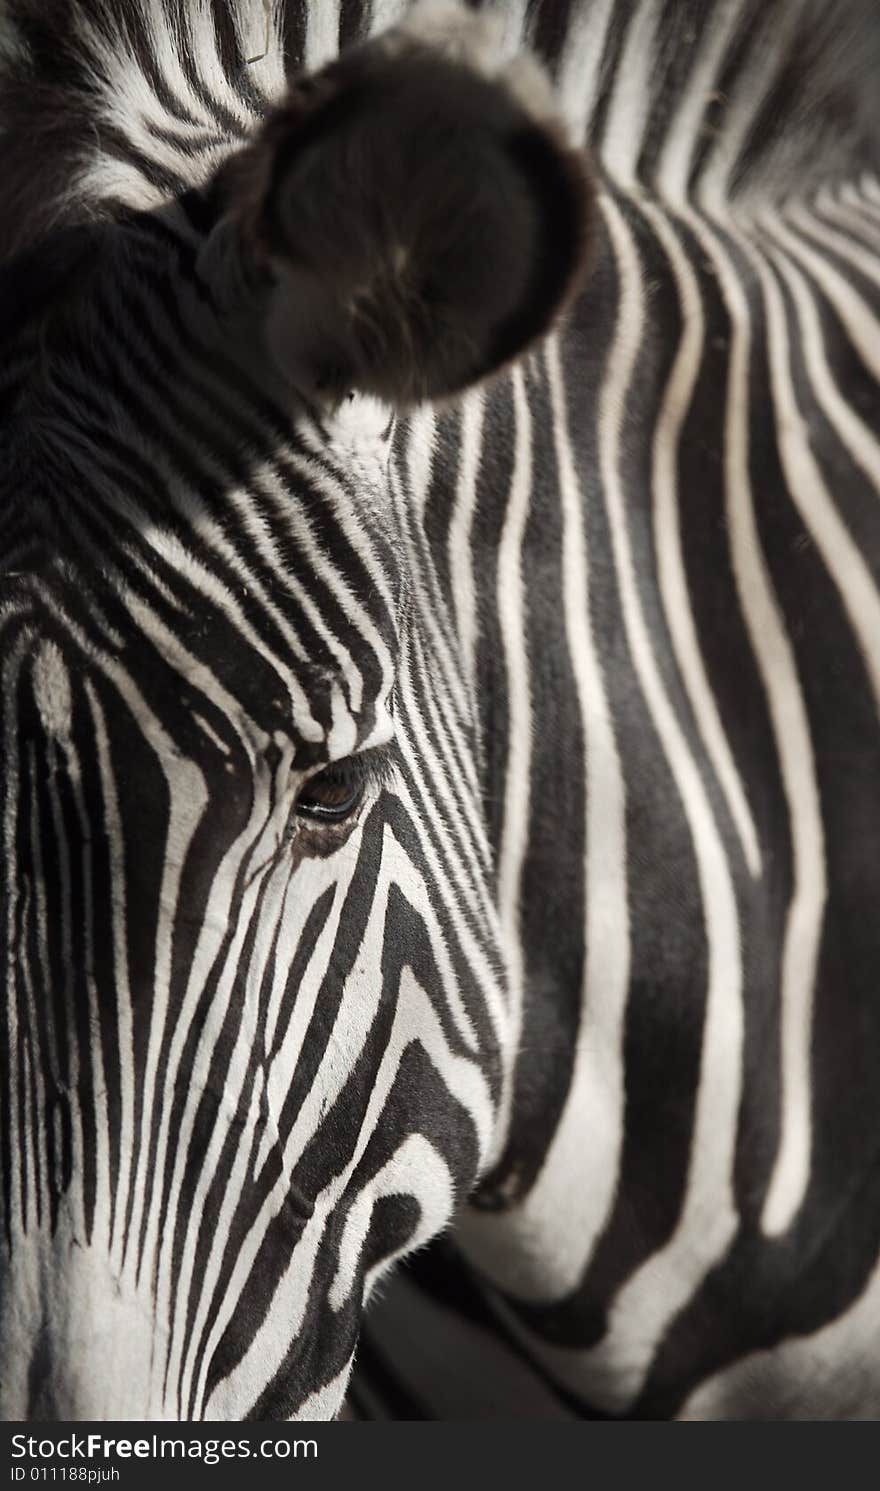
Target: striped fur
<point>600,956</point>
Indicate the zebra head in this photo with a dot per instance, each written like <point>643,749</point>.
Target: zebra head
<point>254,1047</point>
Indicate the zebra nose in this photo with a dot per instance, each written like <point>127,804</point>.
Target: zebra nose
<point>51,1381</point>
<point>78,1337</point>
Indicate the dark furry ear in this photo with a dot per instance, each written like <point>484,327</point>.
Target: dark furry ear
<point>422,216</point>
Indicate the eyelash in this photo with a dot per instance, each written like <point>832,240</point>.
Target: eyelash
<point>348,779</point>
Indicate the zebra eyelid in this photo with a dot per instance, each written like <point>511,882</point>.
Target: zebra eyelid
<point>357,776</point>
<point>373,767</point>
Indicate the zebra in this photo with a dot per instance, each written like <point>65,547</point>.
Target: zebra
<point>255,988</point>
<point>467,819</point>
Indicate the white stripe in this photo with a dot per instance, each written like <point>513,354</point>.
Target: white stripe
<point>13,806</point>
<point>510,603</point>
<point>100,1146</point>
<point>50,1064</point>
<point>115,838</point>
<point>62,848</point>
<point>667,532</point>
<point>631,97</point>
<point>461,539</point>
<point>322,33</point>
<point>249,19</point>
<point>511,17</point>
<point>384,14</point>
<point>579,80</point>
<point>421,430</point>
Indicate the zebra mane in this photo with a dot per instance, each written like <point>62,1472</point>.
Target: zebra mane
<point>108,106</point>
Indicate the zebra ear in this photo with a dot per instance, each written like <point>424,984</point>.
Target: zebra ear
<point>422,220</point>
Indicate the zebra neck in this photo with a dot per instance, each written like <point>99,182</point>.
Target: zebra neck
<point>719,102</point>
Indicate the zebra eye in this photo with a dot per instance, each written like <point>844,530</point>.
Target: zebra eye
<point>331,796</point>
